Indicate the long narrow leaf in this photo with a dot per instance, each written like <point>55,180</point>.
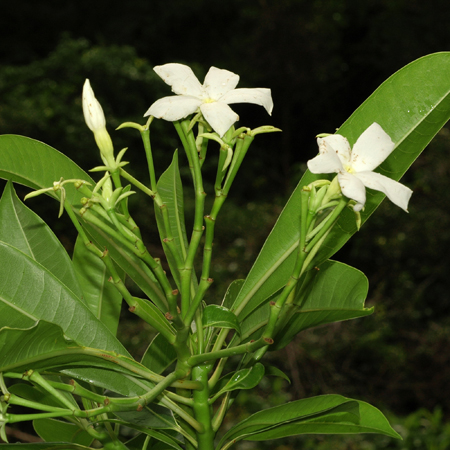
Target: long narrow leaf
<point>411,106</point>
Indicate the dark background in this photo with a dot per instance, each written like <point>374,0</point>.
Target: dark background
<point>321,59</point>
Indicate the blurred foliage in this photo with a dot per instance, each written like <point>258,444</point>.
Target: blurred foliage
<point>321,58</point>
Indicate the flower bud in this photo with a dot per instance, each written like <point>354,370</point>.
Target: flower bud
<point>92,110</point>
<point>95,120</point>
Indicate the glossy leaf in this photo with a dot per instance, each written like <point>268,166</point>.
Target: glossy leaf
<point>37,165</point>
<point>170,189</point>
<point>338,293</point>
<point>324,414</point>
<point>412,107</point>
<point>29,292</point>
<point>18,162</point>
<point>57,430</point>
<point>23,229</point>
<point>101,297</point>
<point>244,379</point>
<point>220,317</point>
<point>341,420</point>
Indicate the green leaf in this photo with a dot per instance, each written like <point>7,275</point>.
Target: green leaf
<point>243,379</point>
<point>160,354</point>
<point>37,165</point>
<point>128,386</point>
<point>337,421</point>
<point>153,316</point>
<point>338,293</point>
<point>56,430</point>
<point>101,297</point>
<point>137,443</point>
<point>220,317</point>
<point>272,371</point>
<point>45,446</point>
<point>324,414</point>
<point>29,292</point>
<point>412,107</point>
<point>44,346</point>
<point>232,293</point>
<point>23,229</point>
<point>170,188</point>
<point>152,416</point>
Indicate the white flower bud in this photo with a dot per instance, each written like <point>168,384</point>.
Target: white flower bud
<point>95,120</point>
<point>92,110</point>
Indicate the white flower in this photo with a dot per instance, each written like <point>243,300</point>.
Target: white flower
<point>213,97</point>
<point>92,110</point>
<point>355,166</point>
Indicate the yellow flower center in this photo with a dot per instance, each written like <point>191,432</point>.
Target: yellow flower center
<point>348,168</point>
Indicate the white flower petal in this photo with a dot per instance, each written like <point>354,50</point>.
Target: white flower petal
<point>338,144</point>
<point>371,149</point>
<point>353,188</point>
<point>257,96</point>
<point>173,108</point>
<point>396,192</point>
<point>92,110</point>
<point>219,115</point>
<point>327,162</point>
<point>181,79</point>
<point>218,82</point>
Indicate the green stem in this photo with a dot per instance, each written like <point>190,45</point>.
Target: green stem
<point>145,135</point>
<point>36,378</point>
<point>202,408</point>
<point>329,222</point>
<point>242,145</point>
<point>137,183</point>
<point>19,401</point>
<point>305,257</point>
<point>189,144</point>
<point>230,351</point>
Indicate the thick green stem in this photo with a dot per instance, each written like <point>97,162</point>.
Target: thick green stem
<point>202,408</point>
